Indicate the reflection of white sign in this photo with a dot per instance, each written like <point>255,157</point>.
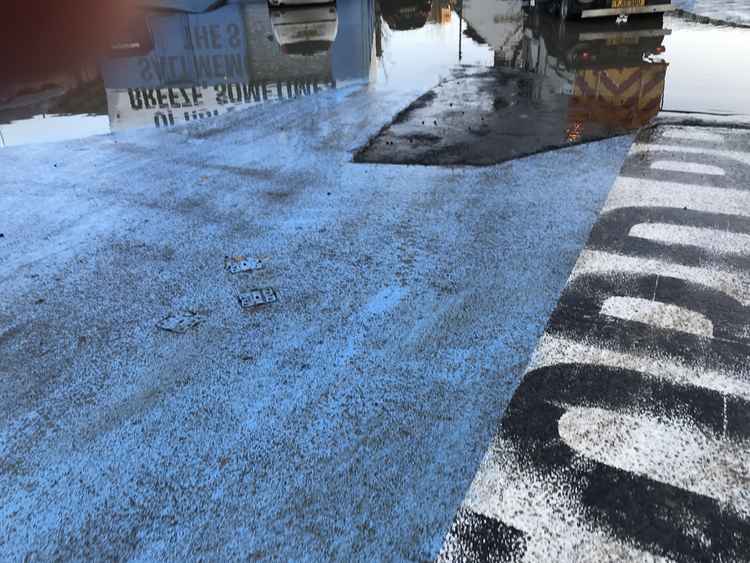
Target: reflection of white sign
<point>192,49</point>
<point>165,107</point>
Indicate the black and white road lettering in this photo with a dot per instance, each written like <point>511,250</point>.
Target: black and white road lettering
<point>629,436</point>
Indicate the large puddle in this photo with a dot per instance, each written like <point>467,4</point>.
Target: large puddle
<point>79,67</point>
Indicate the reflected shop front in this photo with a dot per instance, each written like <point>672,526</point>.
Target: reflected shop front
<point>203,65</point>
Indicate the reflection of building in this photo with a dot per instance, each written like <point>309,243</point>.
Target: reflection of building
<point>202,65</point>
<point>402,15</point>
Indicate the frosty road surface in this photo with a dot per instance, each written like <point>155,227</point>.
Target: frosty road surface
<point>629,436</point>
<point>343,420</point>
<point>225,340</point>
<point>734,11</point>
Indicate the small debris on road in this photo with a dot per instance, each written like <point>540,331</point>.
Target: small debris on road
<point>181,322</point>
<point>238,264</point>
<point>256,297</point>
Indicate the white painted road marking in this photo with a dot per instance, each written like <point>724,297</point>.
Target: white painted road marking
<point>733,283</point>
<point>671,451</point>
<point>740,157</point>
<point>560,350</point>
<point>691,167</point>
<point>692,135</point>
<point>720,242</point>
<point>629,437</point>
<point>663,315</point>
<point>634,192</point>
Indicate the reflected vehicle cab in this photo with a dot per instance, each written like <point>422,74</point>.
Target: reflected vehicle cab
<point>305,30</point>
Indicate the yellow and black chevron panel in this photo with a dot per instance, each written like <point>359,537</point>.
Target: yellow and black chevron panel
<point>618,97</point>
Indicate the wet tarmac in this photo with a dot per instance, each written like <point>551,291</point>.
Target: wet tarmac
<point>566,83</point>
<point>111,70</point>
<point>486,118</point>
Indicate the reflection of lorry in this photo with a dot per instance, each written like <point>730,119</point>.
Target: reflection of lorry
<point>612,74</point>
<point>573,9</point>
<point>305,31</point>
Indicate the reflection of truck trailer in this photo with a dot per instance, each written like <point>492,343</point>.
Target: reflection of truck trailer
<point>573,9</point>
<point>612,76</point>
<point>621,98</point>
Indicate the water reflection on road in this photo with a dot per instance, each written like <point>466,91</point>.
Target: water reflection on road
<point>203,65</point>
<point>160,69</point>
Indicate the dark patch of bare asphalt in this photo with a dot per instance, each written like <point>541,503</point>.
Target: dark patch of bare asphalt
<point>482,118</point>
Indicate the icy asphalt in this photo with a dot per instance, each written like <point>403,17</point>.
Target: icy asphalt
<point>734,11</point>
<point>345,420</point>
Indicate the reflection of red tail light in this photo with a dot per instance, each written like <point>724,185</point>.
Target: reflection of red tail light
<point>587,57</point>
<point>660,49</point>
